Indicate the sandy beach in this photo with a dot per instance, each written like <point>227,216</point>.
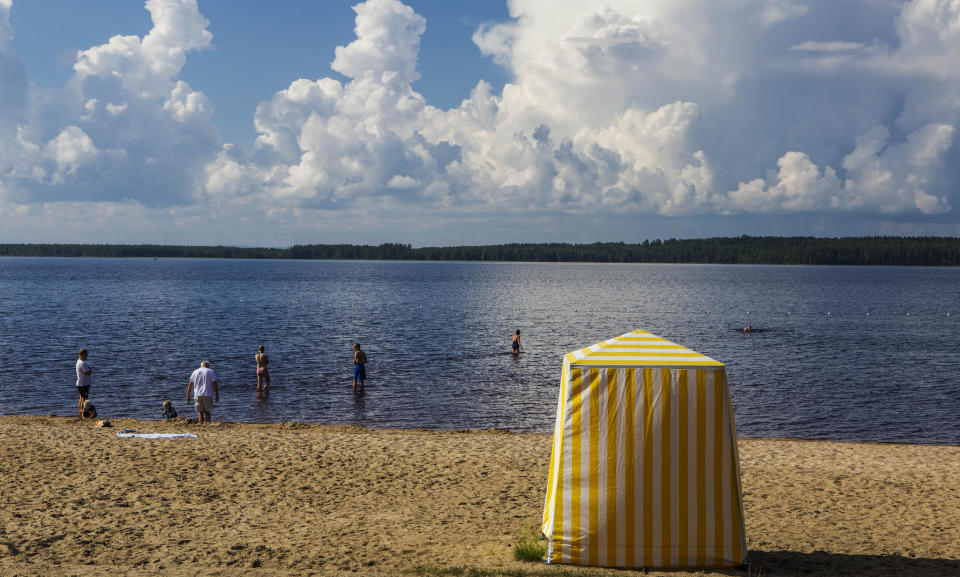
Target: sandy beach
<point>296,499</point>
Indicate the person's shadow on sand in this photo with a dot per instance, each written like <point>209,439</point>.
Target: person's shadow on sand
<point>821,563</point>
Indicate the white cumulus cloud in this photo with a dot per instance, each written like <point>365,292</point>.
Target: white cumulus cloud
<point>881,178</point>
<point>71,150</point>
<point>388,40</point>
<point>834,46</point>
<point>123,128</point>
<point>617,111</point>
<point>6,31</point>
<point>621,108</point>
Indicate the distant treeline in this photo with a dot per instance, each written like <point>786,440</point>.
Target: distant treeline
<point>876,250</point>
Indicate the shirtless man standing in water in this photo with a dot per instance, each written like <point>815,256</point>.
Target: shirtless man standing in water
<point>263,374</point>
<point>359,368</point>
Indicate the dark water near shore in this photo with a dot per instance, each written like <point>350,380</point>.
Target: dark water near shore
<point>842,353</point>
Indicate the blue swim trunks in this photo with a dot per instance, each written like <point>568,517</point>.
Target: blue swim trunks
<point>359,373</point>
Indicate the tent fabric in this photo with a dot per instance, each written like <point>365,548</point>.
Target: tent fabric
<point>644,470</point>
<point>157,435</point>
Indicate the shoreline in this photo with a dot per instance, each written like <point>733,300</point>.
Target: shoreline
<point>312,499</point>
<point>192,422</point>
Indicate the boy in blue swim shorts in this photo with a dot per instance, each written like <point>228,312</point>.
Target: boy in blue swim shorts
<point>359,371</point>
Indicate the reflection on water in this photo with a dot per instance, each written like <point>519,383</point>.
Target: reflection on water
<point>835,352</point>
<point>359,408</point>
<point>259,408</point>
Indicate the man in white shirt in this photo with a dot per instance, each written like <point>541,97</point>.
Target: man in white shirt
<point>203,382</point>
<point>83,378</point>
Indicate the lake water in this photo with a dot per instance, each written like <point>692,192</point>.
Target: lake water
<point>841,353</point>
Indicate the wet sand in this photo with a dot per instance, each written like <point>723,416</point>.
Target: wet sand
<point>295,499</point>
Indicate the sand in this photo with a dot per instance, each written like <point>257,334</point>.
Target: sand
<point>295,499</point>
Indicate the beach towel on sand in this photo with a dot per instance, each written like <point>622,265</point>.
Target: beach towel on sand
<point>156,435</point>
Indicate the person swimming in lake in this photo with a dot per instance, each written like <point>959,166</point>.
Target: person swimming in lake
<point>515,343</point>
<point>748,329</point>
<point>263,374</point>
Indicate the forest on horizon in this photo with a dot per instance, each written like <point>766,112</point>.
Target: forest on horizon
<point>866,251</point>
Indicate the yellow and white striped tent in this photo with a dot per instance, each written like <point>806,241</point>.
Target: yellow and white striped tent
<point>644,470</point>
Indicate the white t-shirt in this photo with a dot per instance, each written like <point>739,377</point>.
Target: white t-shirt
<point>203,379</point>
<point>83,379</point>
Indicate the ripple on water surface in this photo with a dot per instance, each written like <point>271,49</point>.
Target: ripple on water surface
<point>838,352</point>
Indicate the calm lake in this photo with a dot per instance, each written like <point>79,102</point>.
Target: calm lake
<point>842,353</point>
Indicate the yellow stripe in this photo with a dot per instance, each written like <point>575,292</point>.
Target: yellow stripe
<point>639,345</point>
<point>718,469</point>
<point>612,436</point>
<point>630,466</point>
<point>558,493</point>
<point>736,506</point>
<point>679,362</point>
<point>551,474</point>
<point>575,473</point>
<point>593,527</point>
<point>647,467</point>
<point>641,354</point>
<point>647,344</point>
<point>627,349</point>
<point>701,468</point>
<point>683,457</point>
<point>666,497</point>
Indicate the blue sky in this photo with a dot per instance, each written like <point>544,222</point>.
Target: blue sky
<point>259,46</point>
<point>474,122</point>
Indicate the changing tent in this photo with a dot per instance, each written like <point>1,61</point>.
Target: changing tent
<point>644,470</point>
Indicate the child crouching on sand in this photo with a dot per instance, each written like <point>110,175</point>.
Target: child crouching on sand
<point>87,410</point>
<point>168,411</point>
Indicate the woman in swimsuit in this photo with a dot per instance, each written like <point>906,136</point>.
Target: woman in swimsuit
<point>262,373</point>
<point>516,343</point>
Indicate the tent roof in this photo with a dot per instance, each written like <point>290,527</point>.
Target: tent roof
<point>639,349</point>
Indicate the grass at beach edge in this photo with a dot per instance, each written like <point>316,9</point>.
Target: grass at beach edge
<point>529,547</point>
